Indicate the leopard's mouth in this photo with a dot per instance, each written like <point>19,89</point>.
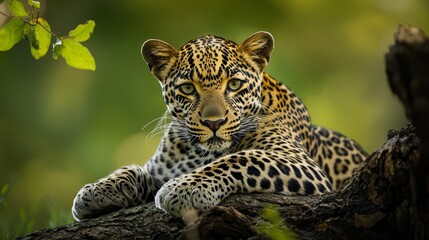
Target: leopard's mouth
<point>215,143</point>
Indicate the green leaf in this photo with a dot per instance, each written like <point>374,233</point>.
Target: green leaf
<point>274,227</point>
<point>83,31</point>
<point>35,4</point>
<point>30,33</point>
<point>11,33</point>
<point>40,38</point>
<point>57,48</point>
<point>75,54</point>
<point>17,9</point>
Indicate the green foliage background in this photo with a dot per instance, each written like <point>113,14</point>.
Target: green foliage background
<point>61,128</point>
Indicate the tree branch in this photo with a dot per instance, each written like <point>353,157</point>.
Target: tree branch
<point>407,65</point>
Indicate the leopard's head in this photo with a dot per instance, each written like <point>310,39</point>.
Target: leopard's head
<point>212,86</point>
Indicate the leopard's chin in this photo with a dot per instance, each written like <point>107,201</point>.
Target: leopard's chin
<point>215,144</point>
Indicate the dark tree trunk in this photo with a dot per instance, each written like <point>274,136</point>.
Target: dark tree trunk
<point>387,198</point>
<point>407,68</point>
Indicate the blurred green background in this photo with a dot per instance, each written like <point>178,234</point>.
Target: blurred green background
<point>61,128</point>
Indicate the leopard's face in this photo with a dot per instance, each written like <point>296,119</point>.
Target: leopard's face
<point>212,86</point>
<point>214,91</point>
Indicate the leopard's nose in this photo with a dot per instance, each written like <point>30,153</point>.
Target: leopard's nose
<point>214,125</point>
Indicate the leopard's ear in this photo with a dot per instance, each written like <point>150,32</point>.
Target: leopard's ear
<point>258,48</point>
<point>159,56</point>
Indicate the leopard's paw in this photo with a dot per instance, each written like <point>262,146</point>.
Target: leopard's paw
<point>126,187</point>
<point>184,195</point>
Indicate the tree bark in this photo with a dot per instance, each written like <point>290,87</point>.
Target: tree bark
<point>407,68</point>
<point>387,197</point>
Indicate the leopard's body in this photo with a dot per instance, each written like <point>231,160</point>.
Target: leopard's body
<point>234,129</point>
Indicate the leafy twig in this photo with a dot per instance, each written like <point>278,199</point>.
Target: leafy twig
<point>30,25</point>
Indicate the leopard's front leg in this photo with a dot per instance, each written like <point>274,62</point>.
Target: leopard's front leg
<point>245,171</point>
<point>126,187</point>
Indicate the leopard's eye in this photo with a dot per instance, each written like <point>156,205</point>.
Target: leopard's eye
<point>187,89</point>
<point>235,84</point>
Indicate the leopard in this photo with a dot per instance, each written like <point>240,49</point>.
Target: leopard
<point>233,129</point>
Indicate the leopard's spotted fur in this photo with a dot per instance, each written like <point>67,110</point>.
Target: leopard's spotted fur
<point>234,129</point>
